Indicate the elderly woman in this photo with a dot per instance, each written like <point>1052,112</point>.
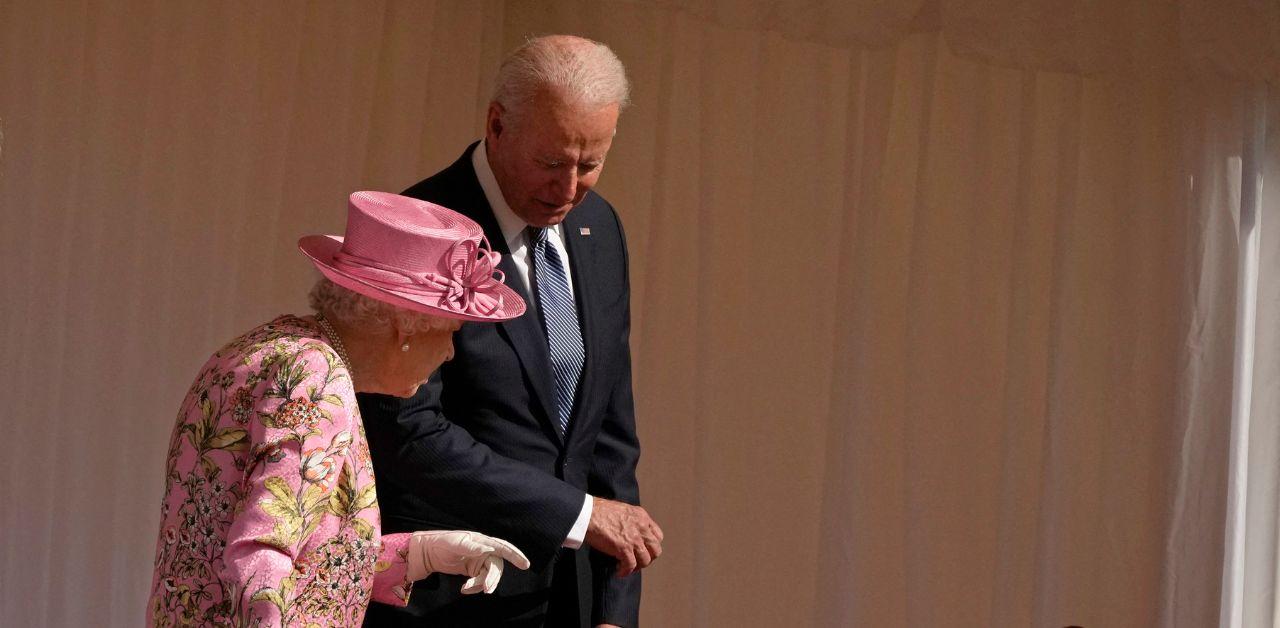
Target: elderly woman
<point>269,515</point>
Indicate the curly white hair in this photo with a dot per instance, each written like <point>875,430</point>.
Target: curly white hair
<point>355,309</point>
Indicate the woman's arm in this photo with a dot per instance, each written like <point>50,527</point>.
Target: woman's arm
<point>460,552</point>
<point>391,582</point>
<point>298,434</point>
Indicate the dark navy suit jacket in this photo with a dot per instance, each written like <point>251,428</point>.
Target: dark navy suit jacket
<point>478,447</point>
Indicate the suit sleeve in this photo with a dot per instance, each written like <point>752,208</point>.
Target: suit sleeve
<point>441,462</point>
<point>613,476</point>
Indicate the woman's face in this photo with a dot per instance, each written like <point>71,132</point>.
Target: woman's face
<point>427,351</point>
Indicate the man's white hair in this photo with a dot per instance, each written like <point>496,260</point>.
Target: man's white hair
<point>579,71</point>
<point>356,310</point>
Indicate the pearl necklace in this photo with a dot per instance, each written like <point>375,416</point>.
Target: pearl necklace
<point>337,343</point>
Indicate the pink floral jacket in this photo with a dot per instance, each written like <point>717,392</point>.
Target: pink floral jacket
<point>269,514</point>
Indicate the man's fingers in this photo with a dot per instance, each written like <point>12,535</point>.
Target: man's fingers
<point>626,561</point>
<point>654,547</point>
<point>633,559</point>
<point>623,572</point>
<point>627,532</point>
<point>643,557</point>
<point>647,524</point>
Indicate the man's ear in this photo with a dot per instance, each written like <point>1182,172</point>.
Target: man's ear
<point>493,126</point>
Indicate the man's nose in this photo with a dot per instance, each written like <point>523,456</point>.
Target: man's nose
<point>566,185</point>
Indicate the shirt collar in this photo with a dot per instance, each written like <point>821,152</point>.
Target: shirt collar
<point>512,225</point>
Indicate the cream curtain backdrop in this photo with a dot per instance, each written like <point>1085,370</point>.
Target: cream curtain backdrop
<point>935,302</point>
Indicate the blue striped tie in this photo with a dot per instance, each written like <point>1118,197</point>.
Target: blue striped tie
<point>559,321</point>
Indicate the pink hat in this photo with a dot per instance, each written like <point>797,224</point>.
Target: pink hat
<point>415,255</point>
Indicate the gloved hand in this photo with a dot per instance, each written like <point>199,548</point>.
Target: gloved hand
<point>465,554</point>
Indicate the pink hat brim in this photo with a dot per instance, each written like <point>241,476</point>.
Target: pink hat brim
<point>321,249</point>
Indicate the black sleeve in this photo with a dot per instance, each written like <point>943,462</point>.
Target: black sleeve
<point>424,453</point>
<point>613,476</point>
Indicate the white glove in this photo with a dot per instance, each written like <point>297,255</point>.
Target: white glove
<point>465,554</point>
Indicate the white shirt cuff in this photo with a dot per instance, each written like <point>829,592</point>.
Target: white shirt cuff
<point>578,532</point>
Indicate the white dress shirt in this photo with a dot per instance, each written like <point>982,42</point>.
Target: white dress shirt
<point>513,231</point>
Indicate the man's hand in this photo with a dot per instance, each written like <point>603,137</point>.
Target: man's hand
<point>624,532</point>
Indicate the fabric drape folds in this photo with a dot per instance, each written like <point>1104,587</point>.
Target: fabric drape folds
<point>1238,38</point>
<point>934,302</point>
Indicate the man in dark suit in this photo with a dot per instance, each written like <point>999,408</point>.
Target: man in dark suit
<point>529,432</point>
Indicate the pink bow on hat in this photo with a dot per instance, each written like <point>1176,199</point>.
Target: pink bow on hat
<point>471,288</point>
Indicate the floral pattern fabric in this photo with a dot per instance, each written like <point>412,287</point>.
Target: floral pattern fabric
<point>269,516</point>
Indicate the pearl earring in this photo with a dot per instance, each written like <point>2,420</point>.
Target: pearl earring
<point>405,347</point>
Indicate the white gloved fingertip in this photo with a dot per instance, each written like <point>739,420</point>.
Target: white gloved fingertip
<point>493,574</point>
<point>472,586</point>
<point>512,554</point>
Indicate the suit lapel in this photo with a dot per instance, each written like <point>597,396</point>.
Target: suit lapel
<point>526,336</point>
<point>524,332</point>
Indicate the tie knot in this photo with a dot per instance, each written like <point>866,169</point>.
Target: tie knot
<point>537,235</point>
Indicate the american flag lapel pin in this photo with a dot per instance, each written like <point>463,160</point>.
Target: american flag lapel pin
<point>586,231</point>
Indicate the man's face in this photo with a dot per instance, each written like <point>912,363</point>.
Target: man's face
<point>547,162</point>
